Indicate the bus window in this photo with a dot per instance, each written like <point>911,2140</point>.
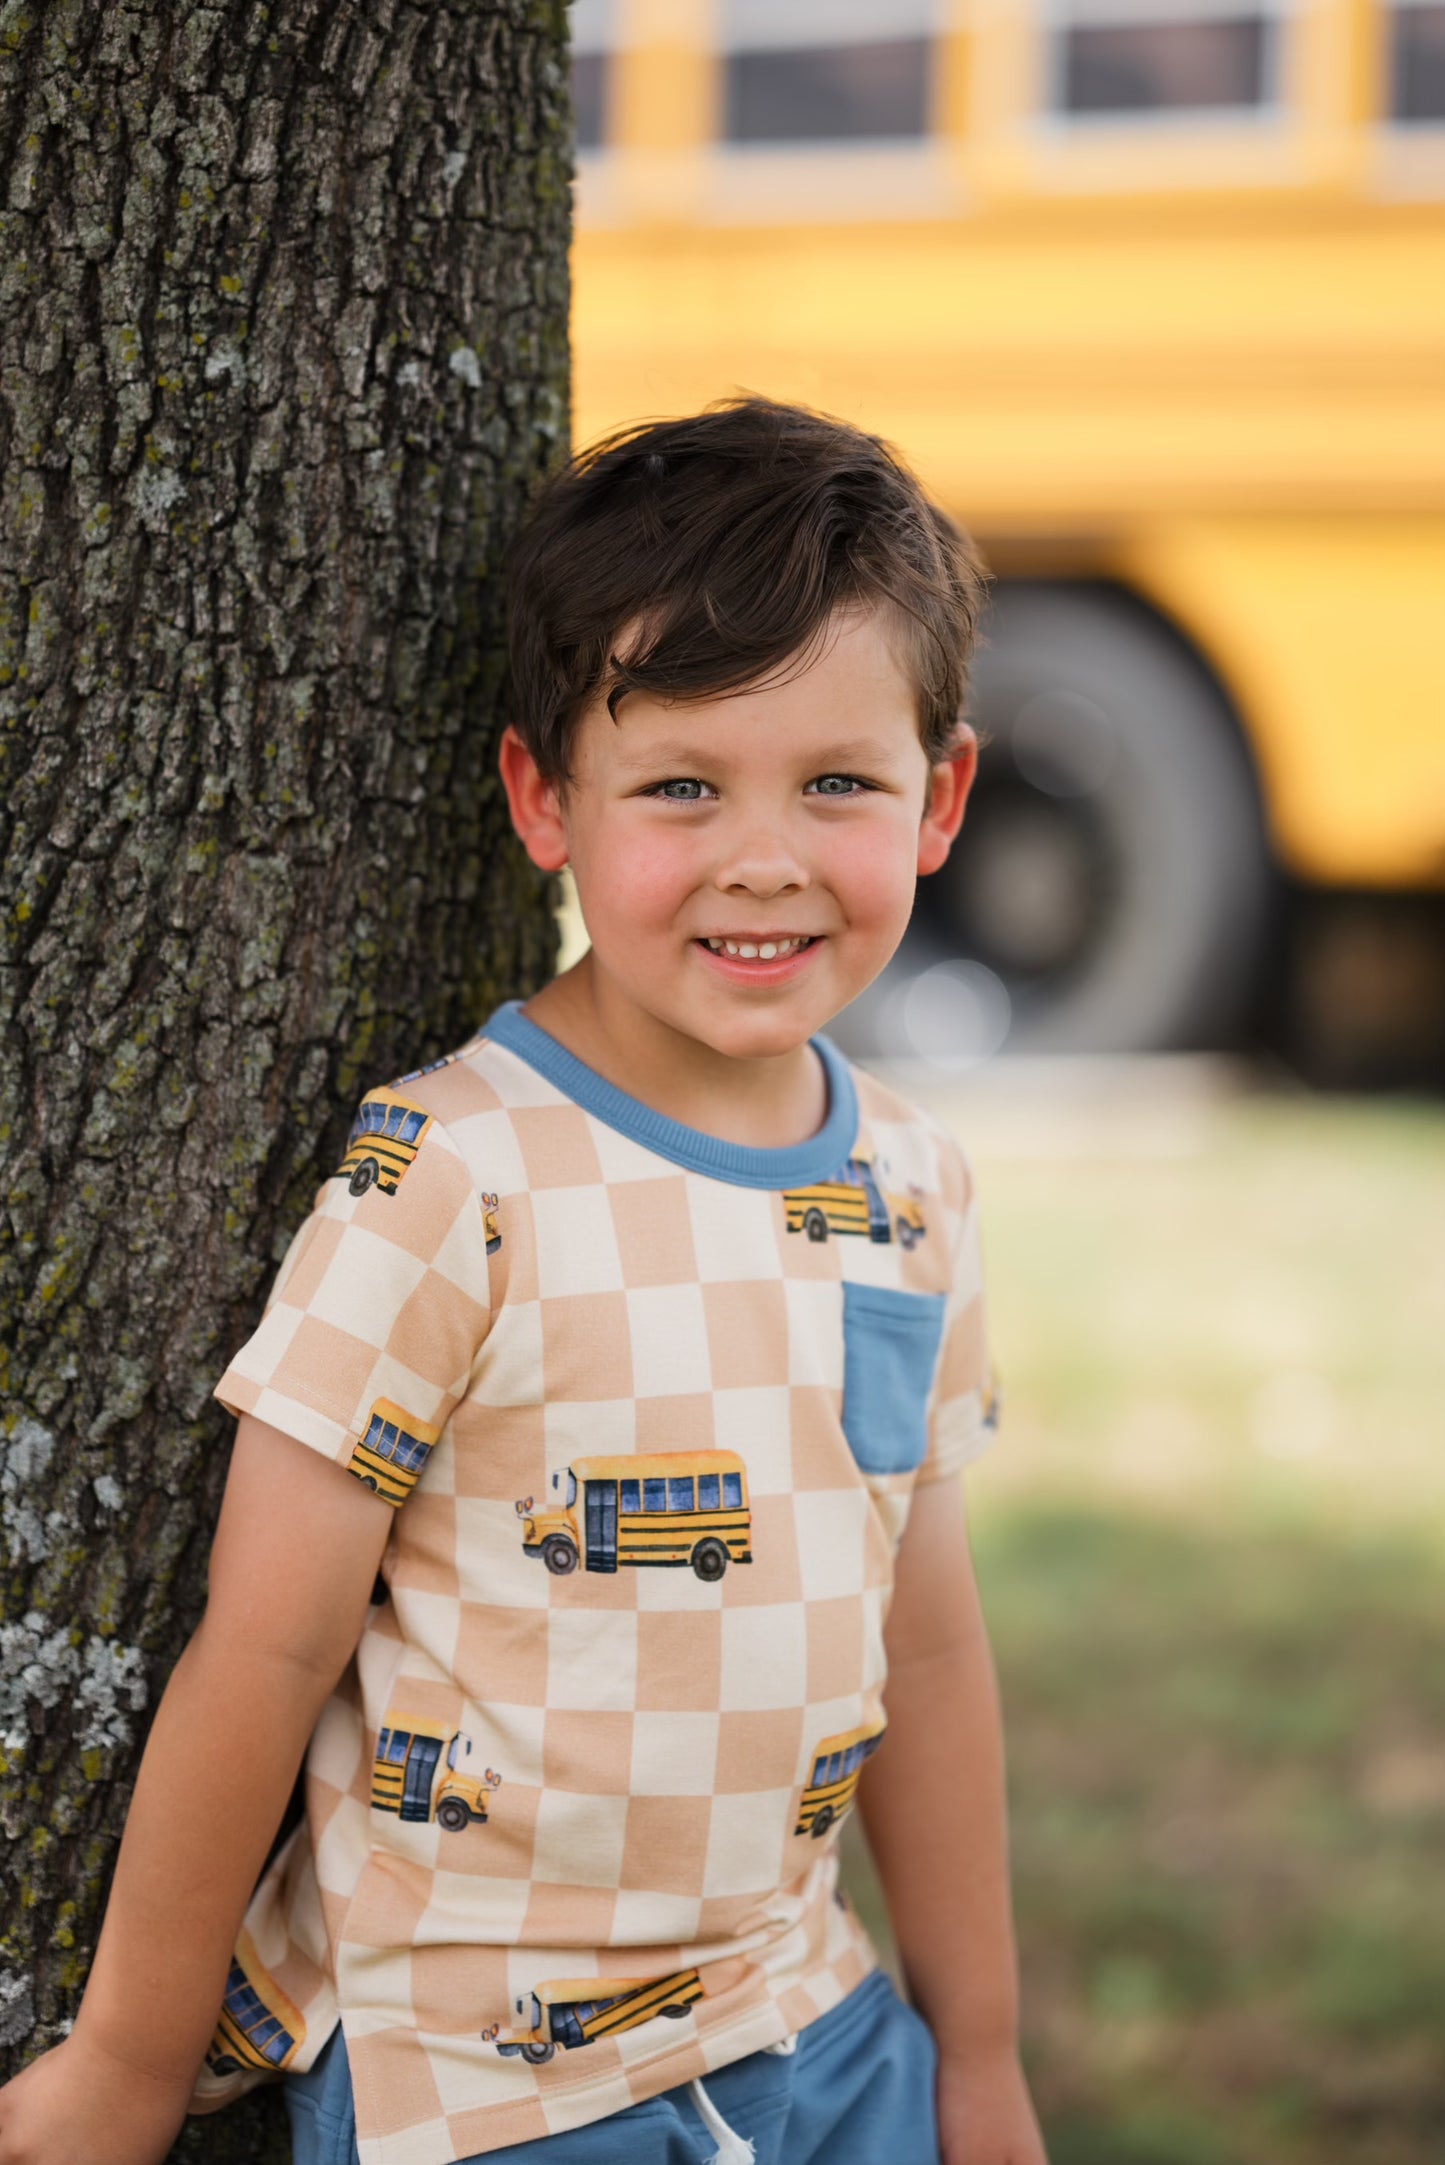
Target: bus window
<point>709,1492</point>
<point>392,1747</point>
<point>654,1495</point>
<point>732,1484</point>
<point>1417,61</point>
<point>810,73</point>
<point>1195,58</point>
<point>679,1494</point>
<point>631,1495</point>
<point>591,71</point>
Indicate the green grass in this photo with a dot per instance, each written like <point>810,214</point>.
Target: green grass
<point>1211,1542</point>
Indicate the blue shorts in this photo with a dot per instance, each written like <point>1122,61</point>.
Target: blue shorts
<point>858,2088</point>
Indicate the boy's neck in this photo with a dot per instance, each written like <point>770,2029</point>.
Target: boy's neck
<point>768,1103</point>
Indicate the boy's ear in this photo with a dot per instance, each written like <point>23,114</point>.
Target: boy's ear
<point>535,805</point>
<point>949,785</point>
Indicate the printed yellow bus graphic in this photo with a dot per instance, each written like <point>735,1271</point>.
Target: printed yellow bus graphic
<point>258,2027</point>
<point>853,1202</point>
<point>384,1140</point>
<point>390,1456</point>
<point>490,1225</point>
<point>418,1774</point>
<point>837,1764</point>
<point>574,2011</point>
<point>675,1507</point>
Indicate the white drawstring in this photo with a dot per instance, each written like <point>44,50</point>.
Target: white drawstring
<point>732,2149</point>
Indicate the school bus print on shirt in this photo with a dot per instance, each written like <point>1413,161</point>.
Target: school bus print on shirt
<point>390,1456</point>
<point>385,1137</point>
<point>675,1507</point>
<point>854,1202</point>
<point>837,1764</point>
<point>418,1775</point>
<point>574,2011</point>
<point>259,2027</point>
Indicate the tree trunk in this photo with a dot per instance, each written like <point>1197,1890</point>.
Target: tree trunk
<point>282,353</point>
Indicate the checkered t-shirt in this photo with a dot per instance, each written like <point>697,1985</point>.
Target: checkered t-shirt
<point>649,1408</point>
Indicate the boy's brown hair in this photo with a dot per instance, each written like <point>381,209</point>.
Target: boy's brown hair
<point>714,550</point>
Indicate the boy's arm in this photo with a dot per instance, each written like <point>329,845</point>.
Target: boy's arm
<point>291,1574</point>
<point>933,1804</point>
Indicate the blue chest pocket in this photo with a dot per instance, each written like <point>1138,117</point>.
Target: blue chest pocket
<point>890,1350</point>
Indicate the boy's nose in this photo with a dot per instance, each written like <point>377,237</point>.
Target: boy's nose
<point>762,865</point>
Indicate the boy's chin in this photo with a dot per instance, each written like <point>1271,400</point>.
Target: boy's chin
<point>763,1036</point>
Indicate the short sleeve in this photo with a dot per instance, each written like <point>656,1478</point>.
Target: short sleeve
<point>963,1416</point>
<point>373,1323</point>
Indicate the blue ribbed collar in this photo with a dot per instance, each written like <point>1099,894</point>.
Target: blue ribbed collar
<point>796,1167</point>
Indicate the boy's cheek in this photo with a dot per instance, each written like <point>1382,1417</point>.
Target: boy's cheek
<point>635,890</point>
<point>872,875</point>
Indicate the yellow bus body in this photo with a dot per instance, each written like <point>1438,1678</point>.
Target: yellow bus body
<point>390,1456</point>
<point>658,1536</point>
<point>383,1151</point>
<point>634,2001</point>
<point>826,1799</point>
<point>843,1209</point>
<point>466,1794</point>
<point>614,2004</point>
<point>259,2026</point>
<point>1204,359</point>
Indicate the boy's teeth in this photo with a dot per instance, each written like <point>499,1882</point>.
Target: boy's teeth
<point>756,951</point>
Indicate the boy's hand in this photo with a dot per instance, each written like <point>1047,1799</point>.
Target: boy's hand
<point>79,2105</point>
<point>985,2115</point>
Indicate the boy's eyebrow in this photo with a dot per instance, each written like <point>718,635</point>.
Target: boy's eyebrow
<point>677,752</point>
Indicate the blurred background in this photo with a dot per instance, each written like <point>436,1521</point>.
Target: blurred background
<point>1152,295</point>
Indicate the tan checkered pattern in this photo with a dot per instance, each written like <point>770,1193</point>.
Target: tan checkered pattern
<point>654,1729</point>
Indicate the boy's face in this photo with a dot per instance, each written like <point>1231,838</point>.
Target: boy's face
<point>746,864</point>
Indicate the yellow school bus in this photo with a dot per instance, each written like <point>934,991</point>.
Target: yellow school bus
<point>669,1507</point>
<point>259,2026</point>
<point>417,1774</point>
<point>390,1456</point>
<point>574,2011</point>
<point>385,1137</point>
<point>838,1763</point>
<point>1152,294</point>
<point>853,1202</point>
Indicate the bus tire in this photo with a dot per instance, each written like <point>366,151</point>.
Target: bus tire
<point>815,1225</point>
<point>364,1176</point>
<point>822,1821</point>
<point>224,2065</point>
<point>559,1555</point>
<point>1113,873</point>
<point>710,1561</point>
<point>674,2014</point>
<point>453,1815</point>
<point>539,2055</point>
<point>907,1234</point>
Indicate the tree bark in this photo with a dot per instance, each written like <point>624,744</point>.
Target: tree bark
<point>282,354</point>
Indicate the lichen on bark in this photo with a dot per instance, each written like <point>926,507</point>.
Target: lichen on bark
<point>282,355</point>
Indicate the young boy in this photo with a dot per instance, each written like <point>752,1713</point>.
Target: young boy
<point>637,1347</point>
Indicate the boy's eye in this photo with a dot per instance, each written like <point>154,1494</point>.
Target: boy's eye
<point>837,785</point>
<point>684,789</point>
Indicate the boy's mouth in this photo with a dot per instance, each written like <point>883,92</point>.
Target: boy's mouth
<point>769,950</point>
